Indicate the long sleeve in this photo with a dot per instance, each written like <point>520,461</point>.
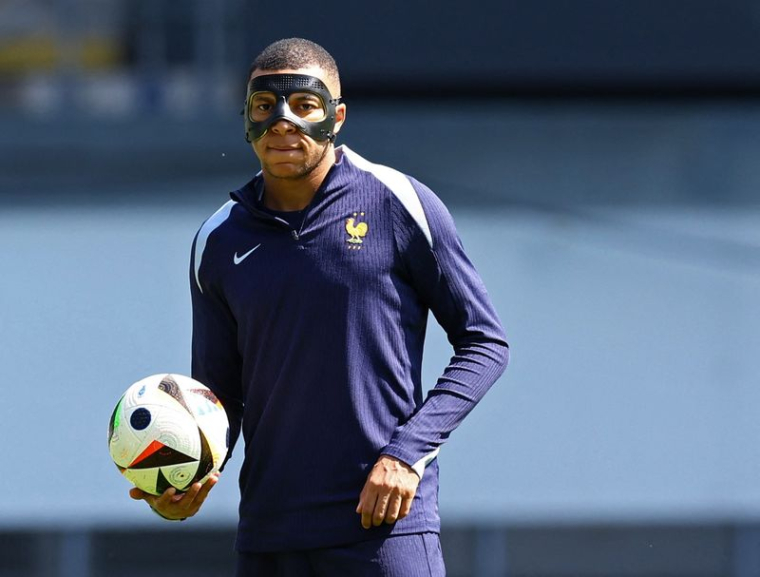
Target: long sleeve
<point>215,359</point>
<point>448,284</point>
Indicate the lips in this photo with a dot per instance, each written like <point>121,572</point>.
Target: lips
<point>283,148</point>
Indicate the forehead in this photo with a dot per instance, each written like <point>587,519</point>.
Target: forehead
<point>314,71</point>
<point>295,96</point>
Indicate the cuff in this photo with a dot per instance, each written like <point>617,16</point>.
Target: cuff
<point>417,466</point>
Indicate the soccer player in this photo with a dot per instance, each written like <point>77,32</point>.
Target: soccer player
<point>311,289</point>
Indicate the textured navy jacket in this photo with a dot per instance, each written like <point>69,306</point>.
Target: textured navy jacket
<point>313,338</point>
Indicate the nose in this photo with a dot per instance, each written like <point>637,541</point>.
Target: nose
<point>283,126</point>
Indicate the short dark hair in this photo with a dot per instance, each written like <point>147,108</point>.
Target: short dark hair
<point>295,53</point>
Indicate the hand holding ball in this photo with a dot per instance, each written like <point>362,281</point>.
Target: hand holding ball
<point>168,431</point>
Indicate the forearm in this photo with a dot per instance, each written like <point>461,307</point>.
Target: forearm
<point>467,378</point>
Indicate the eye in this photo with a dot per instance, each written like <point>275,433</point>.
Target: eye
<point>304,106</point>
<point>262,104</point>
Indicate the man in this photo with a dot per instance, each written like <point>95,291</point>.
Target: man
<point>311,290</point>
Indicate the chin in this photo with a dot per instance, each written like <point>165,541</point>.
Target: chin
<point>287,172</point>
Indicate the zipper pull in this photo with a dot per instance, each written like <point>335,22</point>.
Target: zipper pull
<point>294,234</point>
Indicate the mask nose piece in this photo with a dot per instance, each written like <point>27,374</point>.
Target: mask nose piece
<point>281,111</point>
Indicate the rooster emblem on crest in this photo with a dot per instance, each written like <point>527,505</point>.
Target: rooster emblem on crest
<point>356,231</point>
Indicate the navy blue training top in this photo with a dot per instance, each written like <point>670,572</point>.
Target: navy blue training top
<point>313,338</point>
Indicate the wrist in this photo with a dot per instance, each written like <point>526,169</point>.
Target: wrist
<point>394,463</point>
<point>415,463</point>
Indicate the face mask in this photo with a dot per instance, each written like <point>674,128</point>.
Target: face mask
<point>300,99</point>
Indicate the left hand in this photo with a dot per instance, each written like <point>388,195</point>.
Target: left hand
<point>388,493</point>
<point>173,505</point>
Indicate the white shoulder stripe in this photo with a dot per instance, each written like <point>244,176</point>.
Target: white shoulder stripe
<point>208,227</point>
<point>398,184</point>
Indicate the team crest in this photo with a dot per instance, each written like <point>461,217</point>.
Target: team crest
<point>356,231</point>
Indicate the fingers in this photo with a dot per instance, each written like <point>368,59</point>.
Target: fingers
<point>173,504</point>
<point>388,493</point>
<point>406,507</point>
<point>165,499</point>
<point>367,508</point>
<point>140,495</point>
<point>205,489</point>
<point>136,494</point>
<point>381,508</point>
<point>394,507</point>
<point>190,502</point>
<point>385,506</point>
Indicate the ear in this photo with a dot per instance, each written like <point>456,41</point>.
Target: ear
<point>340,117</point>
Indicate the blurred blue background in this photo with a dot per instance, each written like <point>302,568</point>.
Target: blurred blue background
<point>600,158</point>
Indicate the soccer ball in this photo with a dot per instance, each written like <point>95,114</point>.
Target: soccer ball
<point>168,431</point>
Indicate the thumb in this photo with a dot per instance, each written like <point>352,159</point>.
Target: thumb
<point>136,494</point>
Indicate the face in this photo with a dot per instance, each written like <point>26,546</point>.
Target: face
<point>284,150</point>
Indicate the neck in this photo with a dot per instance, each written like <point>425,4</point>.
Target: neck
<point>289,194</point>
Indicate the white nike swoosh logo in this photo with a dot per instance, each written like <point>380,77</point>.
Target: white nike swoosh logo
<point>238,259</point>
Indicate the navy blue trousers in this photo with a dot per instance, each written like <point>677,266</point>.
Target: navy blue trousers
<point>417,555</point>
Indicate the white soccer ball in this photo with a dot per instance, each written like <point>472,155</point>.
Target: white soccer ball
<point>168,431</point>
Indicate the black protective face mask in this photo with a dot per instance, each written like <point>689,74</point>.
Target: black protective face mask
<point>282,87</point>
